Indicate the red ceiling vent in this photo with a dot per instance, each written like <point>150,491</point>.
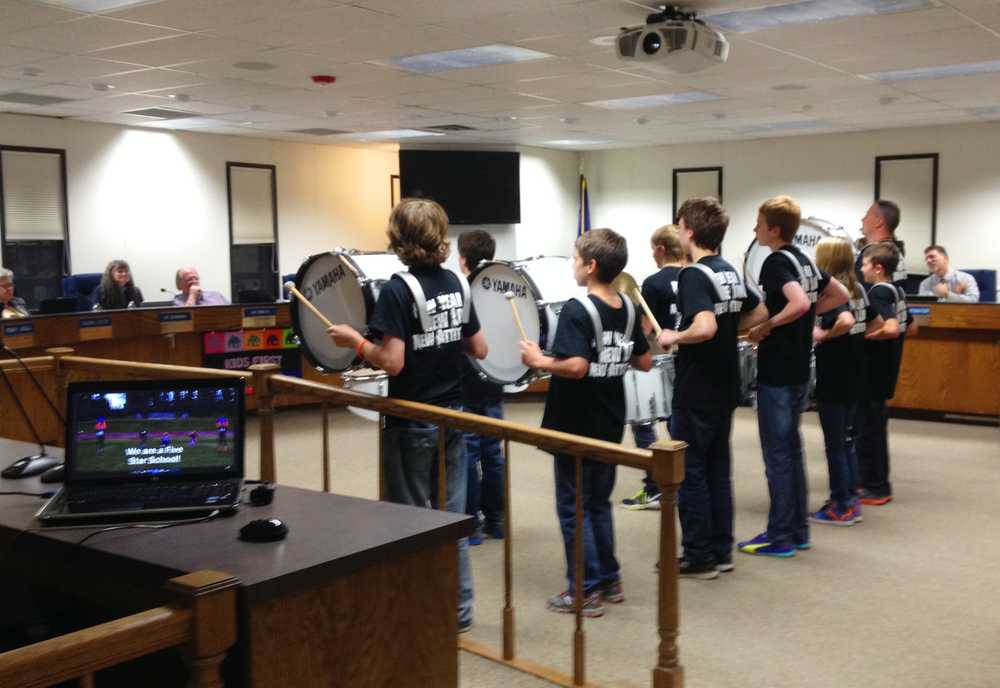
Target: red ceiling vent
<point>323,79</point>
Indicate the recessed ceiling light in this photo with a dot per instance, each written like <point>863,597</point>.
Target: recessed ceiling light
<point>568,120</point>
<point>252,66</point>
<point>103,87</point>
<point>245,124</point>
<point>465,58</point>
<point>964,69</point>
<point>887,100</point>
<point>642,120</point>
<point>93,5</point>
<point>789,87</point>
<point>390,134</point>
<point>660,100</point>
<point>179,97</point>
<point>807,108</point>
<point>719,115</point>
<point>331,113</point>
<point>810,12</point>
<point>31,71</point>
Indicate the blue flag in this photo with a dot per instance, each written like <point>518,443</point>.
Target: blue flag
<point>583,219</point>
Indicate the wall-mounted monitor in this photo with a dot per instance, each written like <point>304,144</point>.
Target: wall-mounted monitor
<point>475,187</point>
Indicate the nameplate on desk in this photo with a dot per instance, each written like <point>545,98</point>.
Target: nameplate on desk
<point>176,321</point>
<point>921,314</point>
<point>261,316</point>
<point>19,336</point>
<point>95,328</point>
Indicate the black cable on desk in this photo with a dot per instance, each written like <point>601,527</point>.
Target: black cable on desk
<point>150,526</point>
<point>43,495</point>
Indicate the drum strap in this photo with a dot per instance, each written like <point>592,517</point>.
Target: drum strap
<point>595,318</point>
<point>901,314</point>
<point>711,275</point>
<point>798,267</point>
<point>420,300</point>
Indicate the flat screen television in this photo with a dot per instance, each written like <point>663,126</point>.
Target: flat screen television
<point>475,187</point>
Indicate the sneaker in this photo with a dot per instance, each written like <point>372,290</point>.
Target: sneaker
<point>563,603</point>
<point>702,571</point>
<point>803,545</point>
<point>642,500</point>
<point>831,515</point>
<point>465,626</point>
<point>613,593</point>
<point>858,518</point>
<point>762,546</point>
<point>724,565</point>
<point>874,499</point>
<point>476,538</point>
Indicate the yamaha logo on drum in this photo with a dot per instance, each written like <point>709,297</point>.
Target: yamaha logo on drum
<point>503,286</point>
<point>803,240</point>
<point>486,283</point>
<point>325,282</point>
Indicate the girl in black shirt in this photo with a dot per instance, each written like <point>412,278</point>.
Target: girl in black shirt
<point>839,337</point>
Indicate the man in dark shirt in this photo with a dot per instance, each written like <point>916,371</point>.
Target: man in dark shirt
<point>883,355</point>
<point>483,455</point>
<point>659,290</point>
<point>586,397</point>
<point>713,305</point>
<point>878,227</point>
<point>795,291</point>
<point>422,339</point>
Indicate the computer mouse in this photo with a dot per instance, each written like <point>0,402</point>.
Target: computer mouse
<point>29,466</point>
<point>56,474</point>
<point>264,530</point>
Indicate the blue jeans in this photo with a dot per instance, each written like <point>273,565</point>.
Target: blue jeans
<point>645,435</point>
<point>779,414</point>
<point>599,564</point>
<point>484,459</point>
<point>873,450</point>
<point>410,461</point>
<point>705,498</point>
<point>835,418</point>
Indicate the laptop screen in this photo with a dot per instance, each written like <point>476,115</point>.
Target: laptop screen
<point>155,429</point>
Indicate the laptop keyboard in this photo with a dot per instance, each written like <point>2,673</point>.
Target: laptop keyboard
<point>207,494</point>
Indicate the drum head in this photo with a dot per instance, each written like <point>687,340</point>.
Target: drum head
<point>552,278</point>
<point>328,281</point>
<point>488,285</point>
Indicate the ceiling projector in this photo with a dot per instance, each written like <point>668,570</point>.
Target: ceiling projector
<point>672,41</point>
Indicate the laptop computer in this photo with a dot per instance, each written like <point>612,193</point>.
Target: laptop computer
<point>59,304</point>
<point>150,450</point>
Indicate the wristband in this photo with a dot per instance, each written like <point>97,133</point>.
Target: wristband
<point>360,348</point>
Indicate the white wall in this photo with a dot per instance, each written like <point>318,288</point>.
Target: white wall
<point>158,198</point>
<point>831,176</point>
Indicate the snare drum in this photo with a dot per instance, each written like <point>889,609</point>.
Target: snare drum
<point>369,381</point>
<point>649,395</point>
<point>540,287</point>
<point>344,285</point>
<point>811,231</point>
<point>748,371</point>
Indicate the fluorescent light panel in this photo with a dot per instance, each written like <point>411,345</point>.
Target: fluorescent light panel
<point>390,134</point>
<point>810,12</point>
<point>774,126</point>
<point>465,58</point>
<point>942,72</point>
<point>638,102</point>
<point>93,5</point>
<point>574,142</point>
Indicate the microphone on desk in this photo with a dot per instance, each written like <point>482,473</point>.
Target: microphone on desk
<point>36,463</point>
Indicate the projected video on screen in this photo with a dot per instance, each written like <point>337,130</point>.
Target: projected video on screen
<point>156,431</point>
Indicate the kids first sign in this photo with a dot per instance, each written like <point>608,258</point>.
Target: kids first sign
<point>240,349</point>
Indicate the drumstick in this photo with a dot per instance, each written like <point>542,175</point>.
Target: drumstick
<point>517,316</point>
<point>290,286</point>
<point>649,313</point>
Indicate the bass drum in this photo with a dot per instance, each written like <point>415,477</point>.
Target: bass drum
<point>540,286</point>
<point>811,231</point>
<point>344,286</point>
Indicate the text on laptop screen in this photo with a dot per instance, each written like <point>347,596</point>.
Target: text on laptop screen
<point>191,428</point>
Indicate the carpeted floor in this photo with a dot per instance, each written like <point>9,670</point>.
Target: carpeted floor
<point>908,598</point>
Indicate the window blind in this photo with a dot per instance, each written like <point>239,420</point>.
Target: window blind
<point>251,207</point>
<point>33,196</point>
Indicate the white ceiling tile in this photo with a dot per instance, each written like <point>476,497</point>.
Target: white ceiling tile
<point>84,35</point>
<point>176,50</point>
<point>11,56</point>
<point>986,11</point>
<point>65,91</point>
<point>319,26</point>
<point>389,41</point>
<point>152,80</point>
<point>16,15</point>
<point>74,69</point>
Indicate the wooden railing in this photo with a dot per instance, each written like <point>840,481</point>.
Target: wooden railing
<point>202,620</point>
<point>665,460</point>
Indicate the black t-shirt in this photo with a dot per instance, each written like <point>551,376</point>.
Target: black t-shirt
<point>660,292</point>
<point>784,356</point>
<point>883,356</point>
<point>432,366</point>
<point>708,373</point>
<point>476,389</point>
<point>593,406</point>
<point>840,362</point>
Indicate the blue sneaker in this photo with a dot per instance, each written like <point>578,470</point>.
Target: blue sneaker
<point>803,545</point>
<point>831,514</point>
<point>476,538</point>
<point>762,546</point>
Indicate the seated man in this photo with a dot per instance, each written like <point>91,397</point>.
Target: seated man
<point>191,292</point>
<point>945,283</point>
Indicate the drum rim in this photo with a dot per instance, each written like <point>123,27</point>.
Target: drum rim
<point>295,307</point>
